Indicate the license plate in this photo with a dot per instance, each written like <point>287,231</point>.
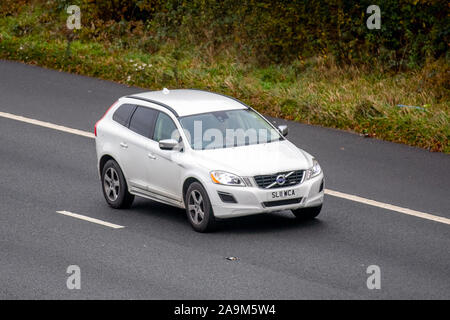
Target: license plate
<point>283,194</point>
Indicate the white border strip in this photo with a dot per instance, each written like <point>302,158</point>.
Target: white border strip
<point>378,204</point>
<point>47,125</point>
<point>338,194</point>
<point>93,220</point>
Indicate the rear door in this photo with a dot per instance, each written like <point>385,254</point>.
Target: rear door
<point>135,146</point>
<point>119,134</point>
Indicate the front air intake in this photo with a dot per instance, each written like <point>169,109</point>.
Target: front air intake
<point>278,203</point>
<point>226,197</point>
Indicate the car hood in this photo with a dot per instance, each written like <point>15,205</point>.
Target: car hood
<point>267,158</point>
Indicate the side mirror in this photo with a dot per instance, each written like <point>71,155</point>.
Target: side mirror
<point>168,144</point>
<point>283,130</point>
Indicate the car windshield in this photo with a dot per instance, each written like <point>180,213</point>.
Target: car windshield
<point>224,129</point>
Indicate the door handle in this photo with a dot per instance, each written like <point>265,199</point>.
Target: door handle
<point>123,145</point>
<point>151,156</point>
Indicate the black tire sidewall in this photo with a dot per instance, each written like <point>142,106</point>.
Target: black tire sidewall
<point>307,213</point>
<point>119,202</point>
<point>208,222</point>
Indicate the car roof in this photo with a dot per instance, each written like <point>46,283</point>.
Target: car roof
<point>184,102</point>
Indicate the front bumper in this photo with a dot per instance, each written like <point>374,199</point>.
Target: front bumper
<point>251,200</point>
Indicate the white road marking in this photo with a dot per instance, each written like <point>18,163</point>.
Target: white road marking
<point>47,125</point>
<point>93,220</point>
<point>378,204</point>
<point>338,194</point>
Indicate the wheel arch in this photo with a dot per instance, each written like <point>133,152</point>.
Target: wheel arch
<point>103,160</point>
<point>187,182</point>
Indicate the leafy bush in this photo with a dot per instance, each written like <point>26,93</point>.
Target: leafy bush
<point>314,62</point>
<point>282,30</point>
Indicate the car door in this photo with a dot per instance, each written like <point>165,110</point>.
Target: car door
<point>119,134</point>
<point>166,168</point>
<point>135,146</point>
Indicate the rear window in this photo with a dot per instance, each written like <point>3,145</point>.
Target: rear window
<point>123,113</point>
<point>143,121</point>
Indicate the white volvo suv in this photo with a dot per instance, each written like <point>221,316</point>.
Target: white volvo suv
<point>205,152</point>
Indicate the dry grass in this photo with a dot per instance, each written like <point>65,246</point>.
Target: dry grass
<point>362,99</point>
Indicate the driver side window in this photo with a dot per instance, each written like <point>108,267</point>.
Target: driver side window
<point>165,128</point>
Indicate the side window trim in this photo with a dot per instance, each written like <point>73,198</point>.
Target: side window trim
<point>152,125</point>
<point>152,136</point>
<point>127,123</point>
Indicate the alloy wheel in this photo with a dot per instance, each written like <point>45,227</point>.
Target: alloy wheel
<point>111,184</point>
<point>196,207</point>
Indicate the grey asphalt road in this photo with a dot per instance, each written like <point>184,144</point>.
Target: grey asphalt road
<point>158,256</point>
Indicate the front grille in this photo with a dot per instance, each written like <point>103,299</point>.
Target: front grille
<point>264,181</point>
<point>282,202</point>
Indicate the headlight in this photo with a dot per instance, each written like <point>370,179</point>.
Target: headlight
<point>226,178</point>
<point>314,171</point>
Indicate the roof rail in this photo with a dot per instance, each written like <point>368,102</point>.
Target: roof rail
<point>155,102</point>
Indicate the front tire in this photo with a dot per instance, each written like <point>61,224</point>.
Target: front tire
<point>307,213</point>
<point>114,186</point>
<point>198,208</point>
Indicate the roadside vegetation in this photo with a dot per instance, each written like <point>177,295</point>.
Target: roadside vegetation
<point>309,61</point>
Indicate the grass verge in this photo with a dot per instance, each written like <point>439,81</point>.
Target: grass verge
<point>410,107</point>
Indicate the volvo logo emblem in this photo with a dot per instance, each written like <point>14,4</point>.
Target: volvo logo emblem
<point>281,179</point>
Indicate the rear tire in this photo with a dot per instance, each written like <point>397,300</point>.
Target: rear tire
<point>114,186</point>
<point>307,213</point>
<point>198,208</point>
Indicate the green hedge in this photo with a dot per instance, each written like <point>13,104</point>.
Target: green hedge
<point>235,48</point>
<point>279,31</point>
